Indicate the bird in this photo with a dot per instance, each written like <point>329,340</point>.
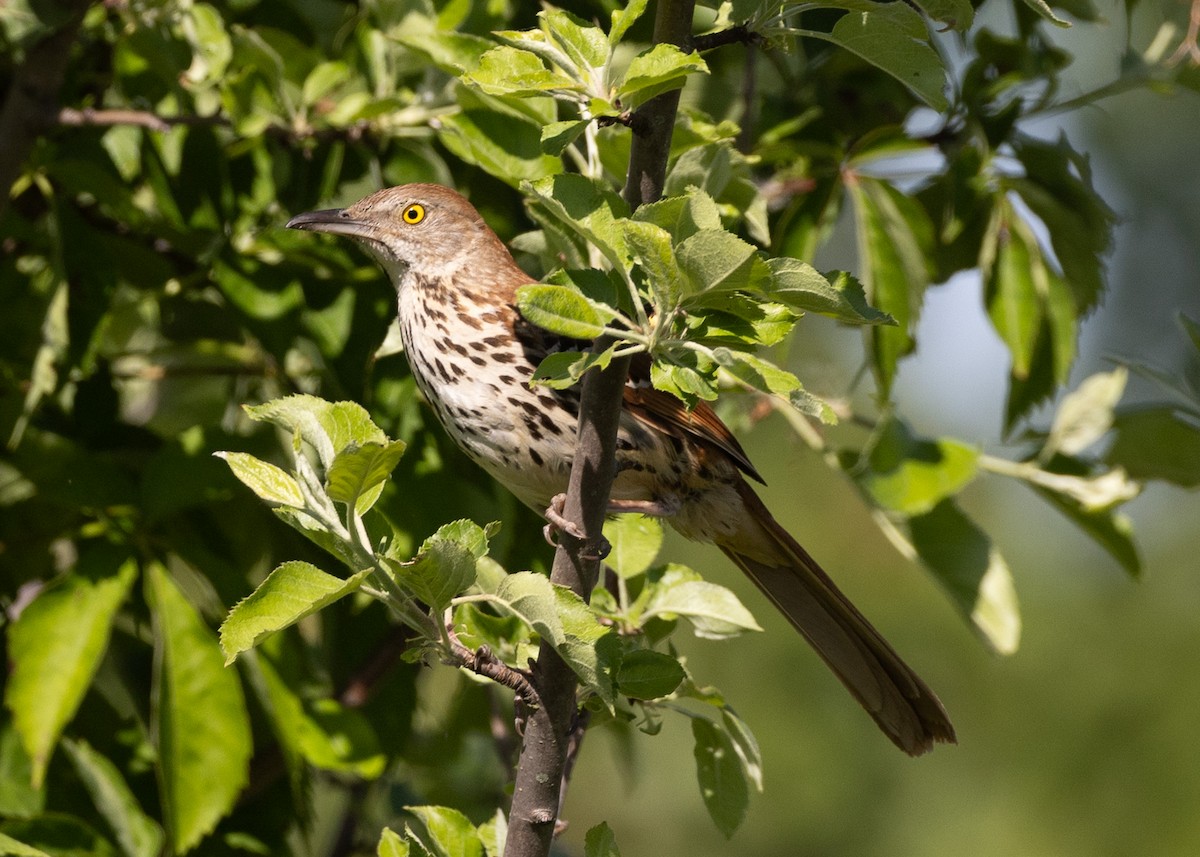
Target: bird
<point>473,356</point>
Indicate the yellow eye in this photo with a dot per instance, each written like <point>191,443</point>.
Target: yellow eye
<point>414,214</point>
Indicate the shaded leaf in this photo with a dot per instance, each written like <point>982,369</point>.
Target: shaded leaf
<point>600,841</point>
<point>646,674</point>
<point>723,785</point>
<point>1157,443</point>
<point>138,834</point>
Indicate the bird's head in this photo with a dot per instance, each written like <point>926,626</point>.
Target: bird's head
<point>424,228</point>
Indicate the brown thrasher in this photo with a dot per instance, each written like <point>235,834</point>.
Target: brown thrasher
<point>473,355</point>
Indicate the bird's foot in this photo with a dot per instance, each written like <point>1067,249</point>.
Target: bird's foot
<point>556,522</point>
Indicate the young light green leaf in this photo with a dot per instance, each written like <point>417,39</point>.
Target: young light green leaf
<point>840,297</point>
<point>201,722</point>
<point>451,834</point>
<point>357,473</point>
<point>138,834</point>
<point>564,369</point>
<point>600,841</point>
<point>912,475</point>
<point>722,782</point>
<point>444,565</point>
<point>272,484</point>
<point>561,618</point>
<point>493,833</point>
<point>506,70</point>
<point>585,46</point>
<point>682,216</point>
<point>769,378</point>
<point>1085,415</point>
<point>714,611</point>
<point>329,427</point>
<point>561,310</point>
<point>391,844</point>
<point>971,570</point>
<point>292,591</point>
<point>662,68</point>
<point>647,674</point>
<point>635,541</point>
<point>689,376</point>
<point>54,648</point>
<point>622,20</point>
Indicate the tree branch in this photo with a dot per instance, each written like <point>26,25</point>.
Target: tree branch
<point>553,731</point>
<point>739,35</point>
<point>29,107</point>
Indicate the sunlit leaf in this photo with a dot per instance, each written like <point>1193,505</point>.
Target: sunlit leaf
<point>201,722</point>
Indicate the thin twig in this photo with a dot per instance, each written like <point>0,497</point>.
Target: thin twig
<point>739,35</point>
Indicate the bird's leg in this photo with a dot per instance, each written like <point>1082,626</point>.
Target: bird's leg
<point>556,522</point>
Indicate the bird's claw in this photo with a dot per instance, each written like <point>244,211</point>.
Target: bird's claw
<point>556,522</point>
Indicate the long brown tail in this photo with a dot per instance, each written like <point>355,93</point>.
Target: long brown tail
<point>902,705</point>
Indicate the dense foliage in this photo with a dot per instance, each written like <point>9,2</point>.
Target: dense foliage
<point>151,292</point>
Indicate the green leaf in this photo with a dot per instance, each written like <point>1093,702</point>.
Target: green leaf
<point>893,38</point>
<point>646,674</point>
<point>503,143</point>
<point>558,135</point>
<point>8,845</point>
<point>622,20</point>
<point>689,376</point>
<point>322,731</point>
<point>841,297</point>
<point>745,745</point>
<point>201,722</point>
<point>564,369</point>
<point>391,844</point>
<point>444,565</point>
<point>895,242</point>
<point>328,427</point>
<point>1157,443</point>
<point>714,260</point>
<point>586,47</point>
<point>635,541</point>
<point>682,216</point>
<point>54,648</point>
<point>954,14</point>
<point>769,378</point>
<point>714,611</point>
<point>493,834</point>
<point>357,474</point>
<point>137,833</point>
<point>323,79</point>
<point>600,841</point>
<point>511,71</point>
<point>562,310</point>
<point>723,785</point>
<point>272,484</point>
<point>660,69</point>
<point>291,592</point>
<point>19,798</point>
<point>912,475</point>
<point>1109,528</point>
<point>451,834</point>
<point>561,618</point>
<point>584,208</point>
<point>971,570</point>
<point>651,247</point>
<point>1085,415</point>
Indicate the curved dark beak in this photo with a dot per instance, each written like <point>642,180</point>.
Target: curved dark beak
<point>332,220</point>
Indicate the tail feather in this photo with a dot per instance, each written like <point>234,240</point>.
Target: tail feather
<point>903,706</point>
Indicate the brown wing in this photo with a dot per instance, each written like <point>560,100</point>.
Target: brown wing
<point>669,415</point>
